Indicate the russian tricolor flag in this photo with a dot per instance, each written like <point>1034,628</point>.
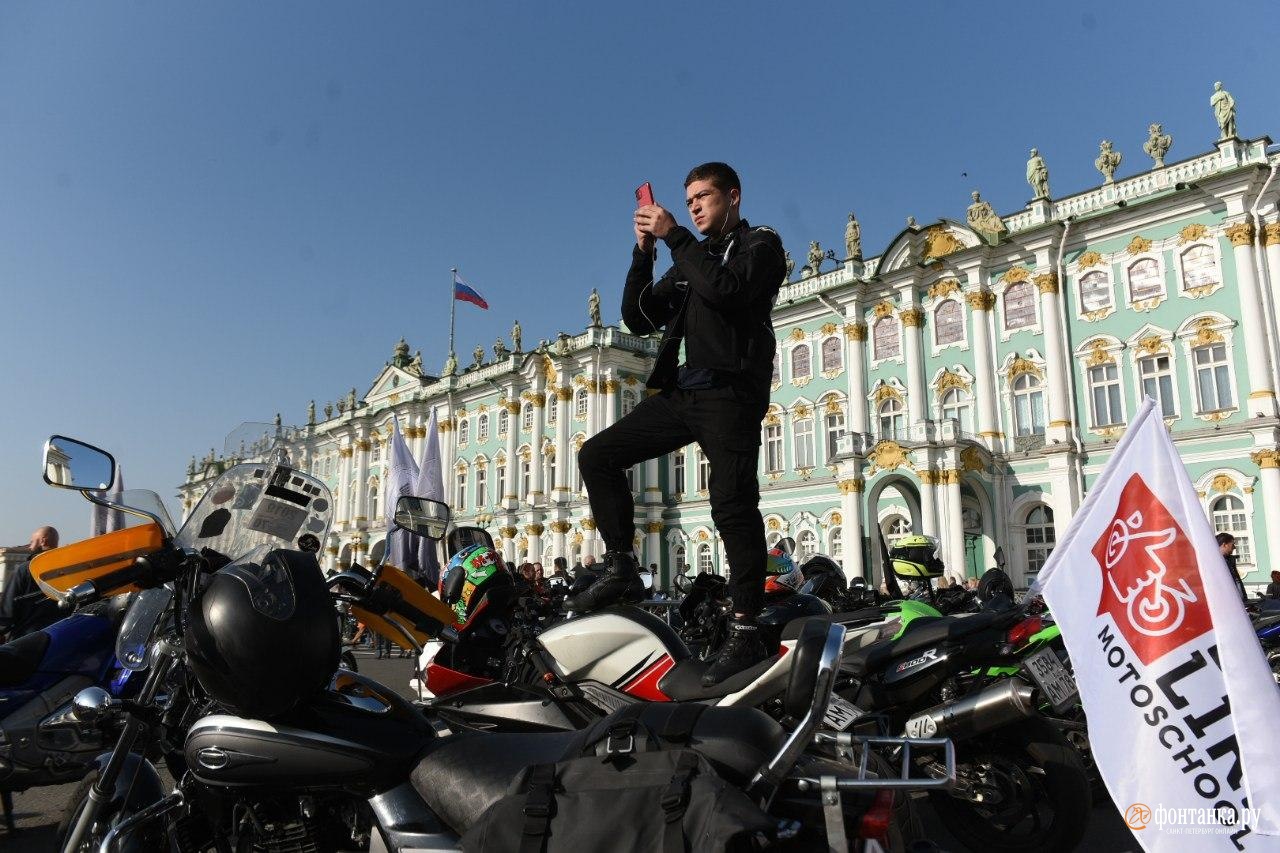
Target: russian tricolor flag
<point>464,291</point>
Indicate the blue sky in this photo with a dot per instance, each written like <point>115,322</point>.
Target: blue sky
<point>213,212</point>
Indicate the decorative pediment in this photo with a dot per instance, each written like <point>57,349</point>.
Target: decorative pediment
<point>937,241</point>
<point>391,381</point>
<point>888,455</point>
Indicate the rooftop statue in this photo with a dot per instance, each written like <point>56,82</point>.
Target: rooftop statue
<point>815,260</point>
<point>1224,110</point>
<point>499,350</point>
<point>450,366</point>
<point>516,335</point>
<point>1108,160</point>
<point>1038,175</point>
<point>593,307</point>
<point>1157,145</point>
<point>477,356</point>
<point>311,412</point>
<point>983,219</point>
<point>328,411</point>
<point>562,344</point>
<point>911,222</point>
<point>791,267</point>
<point>853,239</point>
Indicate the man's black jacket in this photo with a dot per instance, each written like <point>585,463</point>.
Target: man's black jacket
<point>24,609</point>
<point>718,297</point>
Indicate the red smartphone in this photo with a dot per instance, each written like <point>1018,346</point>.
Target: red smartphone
<point>644,194</point>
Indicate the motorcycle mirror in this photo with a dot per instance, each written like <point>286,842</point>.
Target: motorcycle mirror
<point>72,464</point>
<point>422,516</point>
<point>786,545</point>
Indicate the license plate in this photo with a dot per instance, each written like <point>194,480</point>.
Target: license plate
<point>1052,677</point>
<point>841,713</point>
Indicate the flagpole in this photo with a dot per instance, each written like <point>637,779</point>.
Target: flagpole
<point>453,304</point>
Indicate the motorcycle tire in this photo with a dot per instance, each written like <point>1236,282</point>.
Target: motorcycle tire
<point>140,842</point>
<point>1047,798</point>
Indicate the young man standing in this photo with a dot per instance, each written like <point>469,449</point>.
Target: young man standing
<point>710,385</point>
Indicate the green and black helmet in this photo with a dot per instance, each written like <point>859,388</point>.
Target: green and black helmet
<point>916,557</point>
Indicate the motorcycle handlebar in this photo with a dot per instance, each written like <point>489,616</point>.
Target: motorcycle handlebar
<point>146,571</point>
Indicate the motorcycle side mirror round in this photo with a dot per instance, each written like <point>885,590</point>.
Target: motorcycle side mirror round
<point>72,464</point>
<point>422,516</point>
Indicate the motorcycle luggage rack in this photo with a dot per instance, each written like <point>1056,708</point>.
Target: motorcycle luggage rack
<point>845,742</point>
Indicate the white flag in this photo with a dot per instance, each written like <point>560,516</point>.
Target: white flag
<point>401,474</point>
<point>430,485</point>
<point>1182,708</point>
<point>109,520</point>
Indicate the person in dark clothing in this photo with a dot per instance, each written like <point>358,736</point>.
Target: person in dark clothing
<point>1273,588</point>
<point>25,609</point>
<point>710,385</point>
<point>1227,547</point>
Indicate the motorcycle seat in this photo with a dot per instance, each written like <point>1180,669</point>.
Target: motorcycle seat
<point>462,776</point>
<point>683,682</point>
<point>21,658</point>
<point>921,633</point>
<point>850,619</point>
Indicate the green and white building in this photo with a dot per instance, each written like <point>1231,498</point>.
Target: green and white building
<point>966,384</point>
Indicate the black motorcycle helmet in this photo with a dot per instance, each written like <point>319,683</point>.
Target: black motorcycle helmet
<point>261,636</point>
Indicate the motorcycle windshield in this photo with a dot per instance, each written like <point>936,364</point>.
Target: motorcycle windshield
<point>254,504</point>
<point>145,500</point>
<point>133,645</point>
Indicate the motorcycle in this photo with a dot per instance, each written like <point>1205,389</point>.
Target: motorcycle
<point>346,763</point>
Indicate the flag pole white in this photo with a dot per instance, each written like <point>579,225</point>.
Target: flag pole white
<point>453,304</point>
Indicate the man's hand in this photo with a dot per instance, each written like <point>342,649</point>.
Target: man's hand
<point>644,240</point>
<point>654,220</point>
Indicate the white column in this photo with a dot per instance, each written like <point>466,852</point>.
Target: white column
<point>954,549</point>
<point>344,483</point>
<point>851,491</point>
<point>362,474</point>
<point>610,391</point>
<point>855,333</point>
<point>982,301</point>
<point>537,489</point>
<point>1262,397</point>
<point>918,394</point>
<point>1269,463</point>
<point>512,486</point>
<point>559,545</point>
<point>1271,240</point>
<point>928,502</point>
<point>1056,358</point>
<point>534,532</point>
<point>566,460</point>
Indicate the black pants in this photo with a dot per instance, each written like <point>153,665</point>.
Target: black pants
<point>728,431</point>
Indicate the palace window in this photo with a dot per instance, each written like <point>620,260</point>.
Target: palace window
<point>806,545</point>
<point>500,482</point>
<point>553,411</point>
<point>628,401</point>
<point>504,422</point>
<point>580,404</point>
<point>1040,537</point>
<point>957,405</point>
<point>551,472</point>
<point>777,370</point>
<point>1199,267</point>
<point>462,491</point>
<point>836,537</point>
<point>464,430</point>
<point>832,355</point>
<point>526,417</point>
<point>1095,291</point>
<point>482,488</point>
<point>773,460</point>
<point>803,431</point>
<point>677,472</point>
<point>1213,378</point>
<point>893,419</point>
<point>895,527</point>
<point>834,427</point>
<point>1156,373</point>
<point>1019,305</point>
<point>526,484</point>
<point>1229,516</point>
<point>373,500</point>
<point>885,341</point>
<point>801,362</point>
<point>681,561</point>
<point>1145,281</point>
<point>948,323</point>
<point>1028,405</point>
<point>705,563</point>
<point>376,450</point>
<point>704,471</point>
<point>482,429</point>
<point>1104,395</point>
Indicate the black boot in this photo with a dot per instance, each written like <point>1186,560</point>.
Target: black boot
<point>741,650</point>
<point>619,581</point>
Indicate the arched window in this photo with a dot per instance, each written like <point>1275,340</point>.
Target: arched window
<point>1019,305</point>
<point>580,404</point>
<point>833,425</point>
<point>628,401</point>
<point>677,472</point>
<point>893,420</point>
<point>1145,281</point>
<point>1199,268</point>
<point>553,412</point>
<point>957,405</point>
<point>504,421</point>
<point>801,362</point>
<point>525,478</point>
<point>375,451</point>
<point>526,417</point>
<point>1095,291</point>
<point>1229,516</point>
<point>464,429</point>
<point>806,545</point>
<point>704,471</point>
<point>885,341</point>
<point>500,482</point>
<point>1104,395</point>
<point>681,561</point>
<point>374,510</point>
<point>461,492</point>
<point>1040,537</point>
<point>705,563</point>
<point>1028,405</point>
<point>895,527</point>
<point>836,537</point>
<point>773,459</point>
<point>777,370</point>
<point>948,323</point>
<point>482,488</point>
<point>482,428</point>
<point>832,355</point>
<point>802,430</point>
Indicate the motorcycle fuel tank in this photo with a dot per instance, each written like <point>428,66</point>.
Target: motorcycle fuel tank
<point>611,646</point>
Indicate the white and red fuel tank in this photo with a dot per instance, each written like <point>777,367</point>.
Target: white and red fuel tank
<point>618,647</point>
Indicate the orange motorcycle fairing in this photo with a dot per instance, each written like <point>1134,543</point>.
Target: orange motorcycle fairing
<point>394,625</point>
<point>60,569</point>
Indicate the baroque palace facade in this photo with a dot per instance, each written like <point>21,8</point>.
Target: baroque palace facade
<point>970,382</point>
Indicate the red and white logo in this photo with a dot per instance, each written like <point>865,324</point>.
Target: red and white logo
<point>1150,576</point>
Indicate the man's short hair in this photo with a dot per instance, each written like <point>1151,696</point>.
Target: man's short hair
<point>721,176</point>
<point>1224,537</point>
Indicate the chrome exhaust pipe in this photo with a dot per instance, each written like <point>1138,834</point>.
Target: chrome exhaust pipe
<point>1004,703</point>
